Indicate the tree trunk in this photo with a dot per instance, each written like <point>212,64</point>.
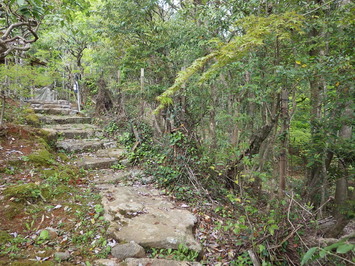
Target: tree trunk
<point>316,178</point>
<point>284,141</point>
<point>342,199</point>
<point>212,116</point>
<point>3,102</point>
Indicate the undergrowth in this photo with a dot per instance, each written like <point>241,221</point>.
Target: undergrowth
<point>254,227</point>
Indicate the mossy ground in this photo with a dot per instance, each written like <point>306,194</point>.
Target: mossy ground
<point>40,189</point>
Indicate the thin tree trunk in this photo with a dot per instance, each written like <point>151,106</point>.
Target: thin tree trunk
<point>212,116</point>
<point>317,173</point>
<point>342,198</point>
<point>284,140</point>
<point>3,97</point>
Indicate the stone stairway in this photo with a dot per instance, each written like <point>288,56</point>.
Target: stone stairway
<point>140,216</point>
<point>75,133</point>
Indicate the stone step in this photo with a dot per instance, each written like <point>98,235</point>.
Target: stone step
<point>84,145</point>
<point>50,105</point>
<point>60,119</point>
<point>101,159</point>
<point>55,111</point>
<point>74,131</point>
<point>97,163</point>
<point>143,215</point>
<point>61,102</point>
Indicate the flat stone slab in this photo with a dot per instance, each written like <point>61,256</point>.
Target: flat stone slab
<point>62,102</point>
<point>51,105</point>
<point>60,119</point>
<point>96,163</point>
<point>84,145</point>
<point>111,152</point>
<point>109,176</point>
<point>144,216</point>
<point>55,111</point>
<point>71,131</point>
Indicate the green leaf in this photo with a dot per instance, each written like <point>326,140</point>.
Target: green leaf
<point>345,248</point>
<point>322,253</point>
<point>308,255</point>
<point>20,2</point>
<point>44,235</point>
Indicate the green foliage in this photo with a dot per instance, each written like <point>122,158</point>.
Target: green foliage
<point>112,127</point>
<point>339,247</point>
<point>257,30</point>
<point>4,237</point>
<point>43,236</point>
<point>118,166</point>
<point>183,253</point>
<point>21,78</point>
<point>13,246</point>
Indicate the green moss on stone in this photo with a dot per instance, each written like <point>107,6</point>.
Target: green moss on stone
<point>41,158</point>
<point>24,192</point>
<point>33,120</point>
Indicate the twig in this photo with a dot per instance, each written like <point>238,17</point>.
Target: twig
<point>288,237</point>
<point>288,219</point>
<point>299,205</point>
<point>309,12</point>
<point>253,258</point>
<point>335,255</point>
<point>320,207</point>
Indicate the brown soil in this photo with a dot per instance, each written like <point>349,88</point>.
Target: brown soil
<point>26,218</point>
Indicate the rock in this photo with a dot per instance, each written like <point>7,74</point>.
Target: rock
<point>109,176</point>
<point>125,162</point>
<point>107,262</point>
<point>111,152</point>
<point>147,179</point>
<point>158,262</point>
<point>129,250</point>
<point>83,145</point>
<point>62,255</point>
<point>87,162</point>
<point>145,217</point>
<point>53,234</point>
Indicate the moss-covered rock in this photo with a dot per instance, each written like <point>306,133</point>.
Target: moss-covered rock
<point>31,118</point>
<point>24,192</point>
<point>63,157</point>
<point>41,158</point>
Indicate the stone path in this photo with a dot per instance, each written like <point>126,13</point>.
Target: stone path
<point>139,215</point>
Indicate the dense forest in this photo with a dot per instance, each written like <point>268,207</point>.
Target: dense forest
<point>247,105</point>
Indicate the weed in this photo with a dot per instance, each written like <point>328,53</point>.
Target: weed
<point>183,253</point>
<point>118,166</point>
